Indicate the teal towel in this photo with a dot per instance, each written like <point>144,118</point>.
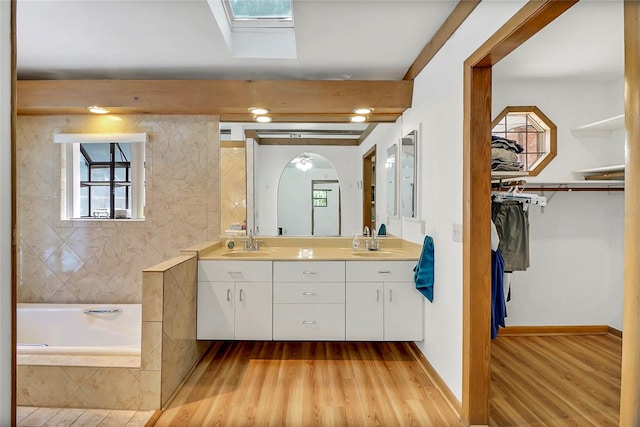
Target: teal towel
<point>423,271</point>
<point>383,230</point>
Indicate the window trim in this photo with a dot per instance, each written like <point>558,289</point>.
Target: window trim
<point>70,172</point>
<point>553,133</point>
<point>247,23</point>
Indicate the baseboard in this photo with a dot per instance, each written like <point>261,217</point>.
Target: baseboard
<point>615,332</point>
<point>510,331</point>
<point>154,418</point>
<point>436,379</point>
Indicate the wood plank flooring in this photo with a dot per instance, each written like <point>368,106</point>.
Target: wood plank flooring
<point>309,384</point>
<point>569,380</point>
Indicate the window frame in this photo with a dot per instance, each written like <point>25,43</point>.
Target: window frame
<point>552,141</point>
<point>247,23</point>
<point>70,175</point>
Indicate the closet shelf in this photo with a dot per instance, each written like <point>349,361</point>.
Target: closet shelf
<point>499,175</point>
<point>585,185</point>
<point>600,128</point>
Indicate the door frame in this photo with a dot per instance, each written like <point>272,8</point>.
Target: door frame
<point>476,341</point>
<point>368,181</point>
<point>476,202</point>
<point>326,181</point>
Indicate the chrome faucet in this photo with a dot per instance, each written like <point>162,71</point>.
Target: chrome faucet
<point>251,244</point>
<point>365,232</point>
<point>372,244</point>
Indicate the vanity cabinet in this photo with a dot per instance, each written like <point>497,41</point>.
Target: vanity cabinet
<point>382,303</point>
<point>234,300</point>
<point>309,300</point>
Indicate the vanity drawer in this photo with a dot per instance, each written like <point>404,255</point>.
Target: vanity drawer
<point>234,271</point>
<point>308,322</point>
<point>380,271</point>
<point>314,271</point>
<point>296,293</point>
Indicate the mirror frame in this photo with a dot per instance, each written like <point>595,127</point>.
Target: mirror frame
<point>392,151</point>
<point>413,136</point>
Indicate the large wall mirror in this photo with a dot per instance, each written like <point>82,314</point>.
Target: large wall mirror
<point>309,201</point>
<point>391,172</point>
<point>409,167</point>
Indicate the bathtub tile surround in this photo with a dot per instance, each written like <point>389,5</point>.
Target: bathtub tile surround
<point>40,417</point>
<point>78,387</point>
<point>100,261</point>
<point>170,349</point>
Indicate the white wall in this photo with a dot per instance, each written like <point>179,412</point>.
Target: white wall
<point>576,245</point>
<point>438,106</point>
<point>5,213</point>
<point>270,161</point>
<point>294,199</point>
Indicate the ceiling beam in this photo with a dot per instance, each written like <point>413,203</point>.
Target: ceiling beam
<point>462,10</point>
<point>308,141</point>
<point>288,100</point>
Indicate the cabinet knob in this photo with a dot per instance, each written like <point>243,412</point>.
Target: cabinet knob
<point>308,272</point>
<point>309,322</point>
<point>384,271</point>
<point>309,293</point>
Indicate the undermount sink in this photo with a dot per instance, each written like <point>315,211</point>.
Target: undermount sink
<point>245,254</point>
<point>375,254</point>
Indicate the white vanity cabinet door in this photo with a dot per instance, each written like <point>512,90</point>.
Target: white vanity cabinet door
<point>382,302</point>
<point>403,312</point>
<point>253,311</point>
<point>234,300</point>
<point>364,311</point>
<point>215,312</point>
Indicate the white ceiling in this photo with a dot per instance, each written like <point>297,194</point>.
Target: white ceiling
<point>335,39</point>
<point>165,39</point>
<point>586,43</point>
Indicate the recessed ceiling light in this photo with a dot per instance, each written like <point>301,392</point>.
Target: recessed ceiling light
<point>263,119</point>
<point>258,111</point>
<point>97,110</point>
<point>358,119</point>
<point>362,110</point>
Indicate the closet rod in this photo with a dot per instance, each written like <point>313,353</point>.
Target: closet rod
<point>543,189</point>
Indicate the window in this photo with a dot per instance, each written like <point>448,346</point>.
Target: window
<point>320,198</point>
<point>533,131</point>
<point>259,13</point>
<point>102,179</point>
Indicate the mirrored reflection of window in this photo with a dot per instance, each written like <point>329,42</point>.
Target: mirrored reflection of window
<point>319,198</point>
<point>535,137</point>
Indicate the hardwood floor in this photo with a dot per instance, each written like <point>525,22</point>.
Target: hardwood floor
<point>564,380</point>
<point>309,384</point>
<point>569,380</point>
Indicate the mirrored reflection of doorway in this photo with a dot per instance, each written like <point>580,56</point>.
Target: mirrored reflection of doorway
<point>369,189</point>
<point>296,211</point>
<point>325,214</point>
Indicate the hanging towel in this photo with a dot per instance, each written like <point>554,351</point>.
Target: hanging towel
<point>424,276</point>
<point>383,230</point>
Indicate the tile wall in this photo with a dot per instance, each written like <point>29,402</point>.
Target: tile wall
<point>233,185</point>
<point>102,261</point>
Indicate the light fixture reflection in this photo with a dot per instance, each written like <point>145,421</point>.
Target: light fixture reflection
<point>303,162</point>
<point>263,119</point>
<point>259,111</point>
<point>97,110</point>
<point>358,119</point>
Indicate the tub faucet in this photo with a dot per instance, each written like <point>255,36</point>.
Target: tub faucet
<point>250,244</point>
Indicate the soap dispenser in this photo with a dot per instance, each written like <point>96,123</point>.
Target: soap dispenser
<point>356,242</point>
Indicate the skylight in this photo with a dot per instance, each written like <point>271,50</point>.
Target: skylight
<point>259,13</point>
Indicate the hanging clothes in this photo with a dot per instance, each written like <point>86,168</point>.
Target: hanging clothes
<point>512,223</point>
<point>498,304</point>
